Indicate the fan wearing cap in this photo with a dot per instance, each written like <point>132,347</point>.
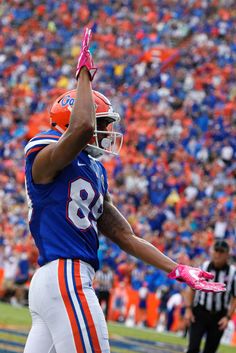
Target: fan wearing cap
<point>209,314</point>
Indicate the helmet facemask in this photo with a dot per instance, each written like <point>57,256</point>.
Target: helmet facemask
<point>107,141</point>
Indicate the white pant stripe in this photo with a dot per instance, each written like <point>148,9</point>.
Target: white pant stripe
<point>83,327</point>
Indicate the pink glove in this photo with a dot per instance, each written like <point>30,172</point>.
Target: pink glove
<point>85,58</point>
<point>196,278</point>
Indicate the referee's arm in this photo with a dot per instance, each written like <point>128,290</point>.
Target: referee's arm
<point>188,298</point>
<point>223,322</point>
<point>232,304</point>
<point>232,307</point>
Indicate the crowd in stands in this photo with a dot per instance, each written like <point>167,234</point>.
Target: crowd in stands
<point>175,179</point>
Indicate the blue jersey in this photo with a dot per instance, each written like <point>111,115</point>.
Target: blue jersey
<point>63,214</point>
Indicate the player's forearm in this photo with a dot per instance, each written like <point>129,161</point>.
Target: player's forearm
<point>83,111</point>
<point>113,225</point>
<point>82,122</point>
<point>145,251</point>
<point>57,156</point>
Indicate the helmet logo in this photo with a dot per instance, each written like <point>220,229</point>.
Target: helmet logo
<point>67,100</point>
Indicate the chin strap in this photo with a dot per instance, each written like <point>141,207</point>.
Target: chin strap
<point>94,151</point>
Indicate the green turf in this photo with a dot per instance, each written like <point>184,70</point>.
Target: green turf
<point>117,350</point>
<point>11,337</point>
<point>20,318</point>
<point>145,334</point>
<point>148,334</point>
<point>12,316</point>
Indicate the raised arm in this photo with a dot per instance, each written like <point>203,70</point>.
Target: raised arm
<point>113,225</point>
<point>56,156</point>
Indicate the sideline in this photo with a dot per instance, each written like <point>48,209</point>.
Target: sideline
<point>10,344</point>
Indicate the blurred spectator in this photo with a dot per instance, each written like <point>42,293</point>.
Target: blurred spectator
<point>163,294</point>
<point>142,307</point>
<point>175,303</point>
<point>119,302</point>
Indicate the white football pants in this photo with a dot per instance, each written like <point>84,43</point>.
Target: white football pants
<point>66,315</point>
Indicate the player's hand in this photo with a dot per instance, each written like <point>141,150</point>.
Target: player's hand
<point>85,58</point>
<point>196,279</point>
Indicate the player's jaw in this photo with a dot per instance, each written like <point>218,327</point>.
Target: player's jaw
<point>103,136</point>
<point>106,139</point>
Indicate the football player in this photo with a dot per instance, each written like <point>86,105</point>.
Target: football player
<point>69,203</point>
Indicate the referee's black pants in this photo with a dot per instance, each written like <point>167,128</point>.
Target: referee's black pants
<point>104,296</point>
<point>206,322</point>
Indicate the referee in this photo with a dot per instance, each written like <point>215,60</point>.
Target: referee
<point>104,283</point>
<point>209,313</point>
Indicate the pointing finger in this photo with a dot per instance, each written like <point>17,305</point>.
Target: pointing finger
<point>86,38</point>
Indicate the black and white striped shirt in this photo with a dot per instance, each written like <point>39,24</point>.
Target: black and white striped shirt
<point>218,301</point>
<point>105,280</point>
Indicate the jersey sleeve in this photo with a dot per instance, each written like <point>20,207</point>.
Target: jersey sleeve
<point>40,141</point>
